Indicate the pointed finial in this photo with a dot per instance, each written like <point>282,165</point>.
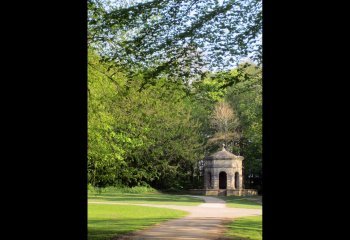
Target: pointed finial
<point>223,147</point>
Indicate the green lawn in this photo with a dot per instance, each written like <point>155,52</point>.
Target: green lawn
<point>150,198</point>
<point>245,228</point>
<point>107,221</point>
<point>241,202</point>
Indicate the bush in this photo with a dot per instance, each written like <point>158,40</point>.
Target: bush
<point>139,189</point>
<point>122,189</point>
<point>90,187</point>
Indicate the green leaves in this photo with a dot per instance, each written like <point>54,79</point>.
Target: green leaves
<point>176,37</point>
<point>246,97</point>
<point>138,137</point>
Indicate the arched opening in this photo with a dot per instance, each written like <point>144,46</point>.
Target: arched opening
<point>209,180</point>
<point>236,180</point>
<point>222,180</point>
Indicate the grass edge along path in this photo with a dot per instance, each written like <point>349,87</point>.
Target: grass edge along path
<point>148,198</point>
<point>241,202</point>
<point>109,221</point>
<point>244,228</point>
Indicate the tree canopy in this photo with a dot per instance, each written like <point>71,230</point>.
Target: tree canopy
<point>179,38</point>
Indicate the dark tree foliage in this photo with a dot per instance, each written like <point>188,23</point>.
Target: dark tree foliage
<point>179,38</point>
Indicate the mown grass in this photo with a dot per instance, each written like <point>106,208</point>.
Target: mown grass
<point>245,228</point>
<point>108,221</point>
<point>242,202</point>
<point>125,195</point>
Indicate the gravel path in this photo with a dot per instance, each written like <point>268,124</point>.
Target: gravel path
<point>204,221</point>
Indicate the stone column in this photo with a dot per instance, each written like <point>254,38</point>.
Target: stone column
<point>205,179</point>
<point>210,179</point>
<point>215,178</point>
<point>240,180</point>
<point>233,182</point>
<point>228,183</point>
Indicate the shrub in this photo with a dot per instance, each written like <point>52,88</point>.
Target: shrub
<point>122,189</point>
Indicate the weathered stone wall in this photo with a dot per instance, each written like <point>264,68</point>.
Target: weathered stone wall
<point>242,192</point>
<point>229,192</point>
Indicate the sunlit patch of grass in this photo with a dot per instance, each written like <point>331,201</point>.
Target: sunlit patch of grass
<point>245,228</point>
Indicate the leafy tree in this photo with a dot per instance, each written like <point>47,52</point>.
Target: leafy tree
<point>246,97</point>
<point>105,146</point>
<point>180,38</point>
<point>170,136</point>
<point>140,138</point>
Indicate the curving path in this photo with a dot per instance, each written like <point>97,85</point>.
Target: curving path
<point>204,221</point>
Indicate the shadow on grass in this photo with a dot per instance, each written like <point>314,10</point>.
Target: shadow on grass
<point>117,197</point>
<point>116,229</point>
<point>108,228</point>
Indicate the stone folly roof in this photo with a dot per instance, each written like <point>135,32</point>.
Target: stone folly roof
<point>223,154</point>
